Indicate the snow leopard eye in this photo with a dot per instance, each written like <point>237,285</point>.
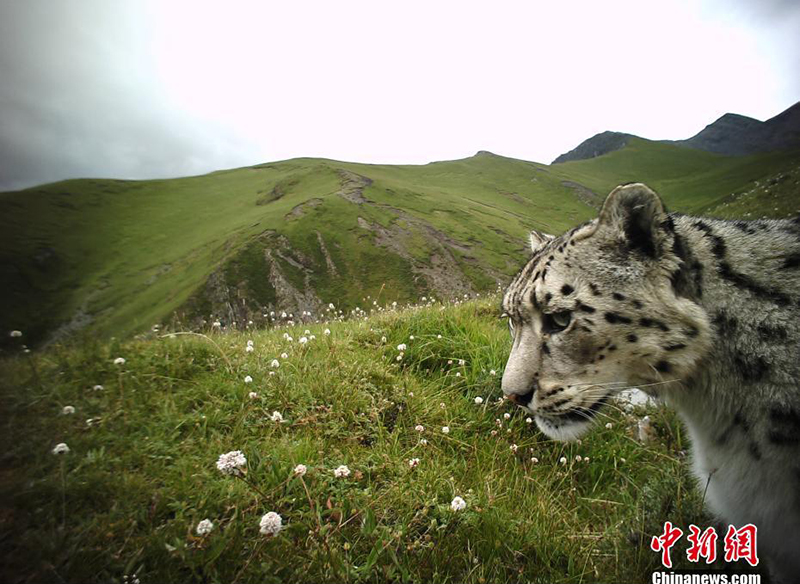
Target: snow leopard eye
<point>555,322</point>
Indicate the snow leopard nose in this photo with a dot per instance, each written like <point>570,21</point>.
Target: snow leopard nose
<point>521,399</point>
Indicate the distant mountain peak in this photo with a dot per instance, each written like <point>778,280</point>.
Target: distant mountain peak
<point>731,134</point>
<point>597,145</point>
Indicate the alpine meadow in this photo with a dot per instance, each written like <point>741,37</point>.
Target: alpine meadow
<point>290,372</point>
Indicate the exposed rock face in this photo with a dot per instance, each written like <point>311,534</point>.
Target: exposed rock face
<point>595,146</point>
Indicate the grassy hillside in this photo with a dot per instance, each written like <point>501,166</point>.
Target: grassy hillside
<point>111,258</point>
<point>141,471</point>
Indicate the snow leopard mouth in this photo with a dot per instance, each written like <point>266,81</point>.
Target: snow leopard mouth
<point>570,424</point>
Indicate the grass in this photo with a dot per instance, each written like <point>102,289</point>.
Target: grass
<point>139,478</point>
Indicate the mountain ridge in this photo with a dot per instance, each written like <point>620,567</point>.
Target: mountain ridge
<point>112,258</point>
<point>731,134</point>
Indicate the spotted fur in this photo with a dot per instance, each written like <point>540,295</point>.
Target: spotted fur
<point>702,313</point>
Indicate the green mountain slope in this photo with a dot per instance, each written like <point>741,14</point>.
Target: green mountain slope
<point>111,258</point>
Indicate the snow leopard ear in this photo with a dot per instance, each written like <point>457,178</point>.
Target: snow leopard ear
<point>538,239</point>
<point>638,216</point>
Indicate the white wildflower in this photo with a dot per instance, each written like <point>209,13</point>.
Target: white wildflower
<point>506,416</point>
<point>216,324</point>
<point>458,504</point>
<point>249,348</point>
<point>529,420</point>
<point>534,460</point>
<point>271,524</point>
<point>68,410</point>
<point>609,425</point>
<point>275,364</point>
<point>479,400</point>
<point>438,336</point>
<point>327,331</point>
<point>419,428</point>
<point>461,362</point>
<point>413,463</point>
<point>303,340</point>
<point>250,342</point>
<point>119,361</point>
<point>445,429</point>
<point>276,417</point>
<point>563,460</point>
<point>513,448</point>
<point>231,463</point>
<point>341,472</point>
<point>15,334</point>
<point>284,355</point>
<point>399,357</point>
<point>578,458</point>
<point>401,347</point>
<point>423,441</point>
<point>458,374</point>
<point>331,306</point>
<point>300,470</point>
<point>248,379</point>
<point>61,448</point>
<point>252,395</point>
<point>204,527</point>
<point>98,387</point>
<point>492,372</point>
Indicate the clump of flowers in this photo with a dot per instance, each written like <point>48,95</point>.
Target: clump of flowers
<point>271,524</point>
<point>204,527</point>
<point>231,463</point>
<point>341,472</point>
<point>458,504</point>
<point>61,448</point>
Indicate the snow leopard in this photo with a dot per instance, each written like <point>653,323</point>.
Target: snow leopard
<point>702,313</point>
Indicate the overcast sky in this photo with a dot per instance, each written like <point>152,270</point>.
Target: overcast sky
<point>146,89</point>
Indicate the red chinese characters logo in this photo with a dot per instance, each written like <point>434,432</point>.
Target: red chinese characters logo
<point>665,541</point>
<point>740,544</point>
<point>704,544</point>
